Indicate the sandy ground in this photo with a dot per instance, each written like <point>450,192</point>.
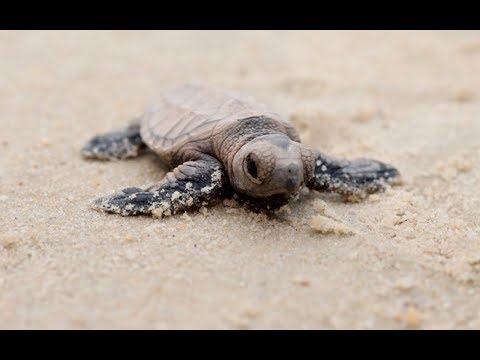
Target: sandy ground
<point>413,260</point>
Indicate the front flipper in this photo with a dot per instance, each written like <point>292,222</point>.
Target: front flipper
<point>118,144</point>
<point>192,184</point>
<point>353,179</point>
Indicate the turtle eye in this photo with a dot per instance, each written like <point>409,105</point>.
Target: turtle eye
<point>251,168</point>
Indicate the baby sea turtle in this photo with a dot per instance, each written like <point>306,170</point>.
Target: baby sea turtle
<point>219,142</point>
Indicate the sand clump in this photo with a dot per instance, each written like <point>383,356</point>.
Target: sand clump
<point>301,280</point>
<point>327,221</point>
<point>463,95</point>
<point>325,225</point>
<point>8,241</point>
<point>365,113</point>
<point>453,166</point>
<point>411,317</point>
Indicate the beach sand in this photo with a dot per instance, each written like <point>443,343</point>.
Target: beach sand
<point>406,258</point>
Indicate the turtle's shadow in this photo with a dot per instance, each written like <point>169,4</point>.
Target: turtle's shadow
<point>154,159</point>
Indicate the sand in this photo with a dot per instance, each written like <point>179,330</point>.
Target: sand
<point>410,257</point>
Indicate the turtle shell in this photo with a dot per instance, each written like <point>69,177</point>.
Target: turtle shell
<point>191,113</point>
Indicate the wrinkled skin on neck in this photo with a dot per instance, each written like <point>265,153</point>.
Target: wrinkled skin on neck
<point>271,167</point>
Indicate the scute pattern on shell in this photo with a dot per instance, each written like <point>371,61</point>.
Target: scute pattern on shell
<point>191,111</point>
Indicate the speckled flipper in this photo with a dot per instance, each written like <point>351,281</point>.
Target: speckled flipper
<point>192,184</point>
<point>353,179</point>
<point>120,144</point>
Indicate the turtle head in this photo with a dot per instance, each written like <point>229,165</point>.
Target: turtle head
<point>271,166</point>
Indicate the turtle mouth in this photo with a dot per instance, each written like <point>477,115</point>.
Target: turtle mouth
<point>286,192</point>
<point>292,185</point>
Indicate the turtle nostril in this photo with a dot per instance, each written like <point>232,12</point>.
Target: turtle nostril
<point>292,170</point>
<point>293,177</point>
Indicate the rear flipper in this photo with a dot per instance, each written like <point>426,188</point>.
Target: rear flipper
<point>192,184</point>
<point>120,144</point>
<point>353,179</point>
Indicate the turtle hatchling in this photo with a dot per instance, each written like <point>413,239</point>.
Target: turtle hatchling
<point>220,143</point>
